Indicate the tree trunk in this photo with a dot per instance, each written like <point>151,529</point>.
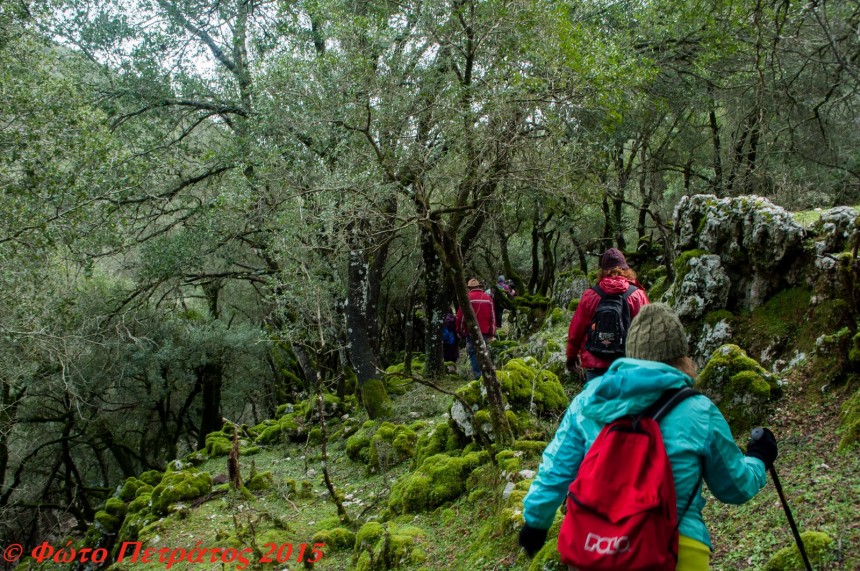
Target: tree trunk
<point>548,273</point>
<point>434,307</point>
<point>211,378</point>
<point>534,277</point>
<point>716,144</point>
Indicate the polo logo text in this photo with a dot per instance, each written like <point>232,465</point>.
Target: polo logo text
<point>607,545</point>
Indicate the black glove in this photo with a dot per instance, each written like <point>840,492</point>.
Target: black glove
<point>532,539</point>
<point>763,446</point>
<point>572,364</point>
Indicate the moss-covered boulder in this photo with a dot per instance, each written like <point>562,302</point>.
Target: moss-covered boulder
<point>381,445</point>
<point>440,478</point>
<point>358,445</point>
<point>260,481</point>
<point>701,284</point>
<point>179,486</point>
<point>849,425</point>
<point>130,487</point>
<point>335,539</point>
<point>442,438</point>
<point>817,546</point>
<point>740,387</point>
<point>151,477</point>
<point>527,387</point>
<point>390,445</point>
<point>380,548</point>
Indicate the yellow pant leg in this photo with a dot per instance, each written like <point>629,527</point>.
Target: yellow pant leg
<point>692,555</point>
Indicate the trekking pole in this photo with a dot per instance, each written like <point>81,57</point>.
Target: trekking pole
<point>757,433</point>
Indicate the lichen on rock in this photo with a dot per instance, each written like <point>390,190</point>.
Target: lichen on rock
<point>758,243</point>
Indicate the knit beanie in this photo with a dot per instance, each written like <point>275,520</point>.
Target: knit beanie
<point>656,334</point>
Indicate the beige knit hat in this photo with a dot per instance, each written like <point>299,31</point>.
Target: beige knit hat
<point>656,334</point>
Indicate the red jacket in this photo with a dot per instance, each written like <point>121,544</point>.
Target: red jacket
<point>576,334</point>
<point>482,303</point>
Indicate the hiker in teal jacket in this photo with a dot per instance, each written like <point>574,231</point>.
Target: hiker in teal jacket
<point>697,438</point>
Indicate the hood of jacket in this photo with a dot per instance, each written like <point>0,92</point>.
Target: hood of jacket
<point>629,387</point>
<point>614,285</point>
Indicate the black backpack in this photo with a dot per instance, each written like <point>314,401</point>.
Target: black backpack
<point>608,329</point>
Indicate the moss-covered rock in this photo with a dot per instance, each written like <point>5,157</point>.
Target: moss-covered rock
<point>380,548</point>
<point>442,438</point>
<point>218,444</point>
<point>740,387</point>
<point>391,444</point>
<point>129,489</point>
<point>151,477</point>
<point>260,482</point>
<point>106,523</point>
<point>179,486</point>
<point>440,478</point>
<point>849,424</point>
<point>335,539</point>
<point>527,386</point>
<point>817,546</point>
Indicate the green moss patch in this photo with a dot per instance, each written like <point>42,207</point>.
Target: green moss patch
<point>375,399</point>
<point>741,388</point>
<point>849,425</point>
<point>336,539</point>
<point>440,478</point>
<point>178,487</point>
<point>379,548</point>
<point>817,546</point>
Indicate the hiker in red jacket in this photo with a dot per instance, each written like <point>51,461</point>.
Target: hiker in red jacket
<point>614,278</point>
<point>482,304</point>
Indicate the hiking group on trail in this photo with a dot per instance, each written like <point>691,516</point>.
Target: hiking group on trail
<point>635,446</point>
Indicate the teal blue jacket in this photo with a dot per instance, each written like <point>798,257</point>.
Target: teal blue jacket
<point>697,439</point>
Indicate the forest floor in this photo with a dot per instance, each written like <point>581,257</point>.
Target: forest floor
<point>822,488</point>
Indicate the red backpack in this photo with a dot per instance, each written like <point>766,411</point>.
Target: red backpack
<point>621,510</point>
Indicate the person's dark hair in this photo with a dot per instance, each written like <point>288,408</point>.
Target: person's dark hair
<point>628,273</point>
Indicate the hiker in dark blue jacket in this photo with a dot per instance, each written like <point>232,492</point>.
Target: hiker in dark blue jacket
<point>698,440</point>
